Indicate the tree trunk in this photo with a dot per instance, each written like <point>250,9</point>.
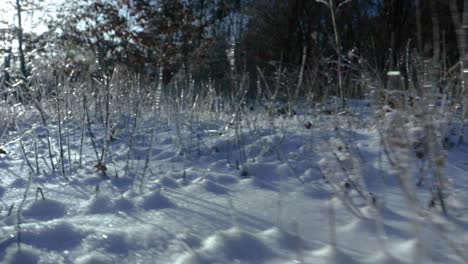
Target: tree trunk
<point>436,41</point>
<point>23,69</point>
<point>6,73</point>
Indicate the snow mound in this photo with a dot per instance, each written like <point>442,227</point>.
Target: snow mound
<point>213,187</point>
<point>222,179</point>
<point>263,171</point>
<point>230,246</point>
<point>18,183</point>
<point>282,239</point>
<point>27,255</point>
<point>105,204</point>
<point>381,257</point>
<point>124,205</point>
<point>117,243</point>
<point>57,237</point>
<point>168,182</point>
<point>155,201</point>
<point>190,240</point>
<point>94,258</point>
<point>100,205</point>
<point>45,210</point>
<point>328,254</point>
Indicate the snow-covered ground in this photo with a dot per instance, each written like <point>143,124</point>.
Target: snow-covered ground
<point>264,190</point>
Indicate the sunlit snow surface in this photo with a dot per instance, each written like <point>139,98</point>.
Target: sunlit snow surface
<point>200,202</point>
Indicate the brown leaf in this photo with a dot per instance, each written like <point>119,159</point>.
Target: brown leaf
<point>101,167</point>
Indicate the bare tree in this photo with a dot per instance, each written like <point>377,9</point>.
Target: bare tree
<point>19,31</point>
<point>333,6</point>
<point>460,22</point>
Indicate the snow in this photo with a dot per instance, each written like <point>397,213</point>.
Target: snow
<point>274,192</point>
<point>26,255</point>
<point>44,210</point>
